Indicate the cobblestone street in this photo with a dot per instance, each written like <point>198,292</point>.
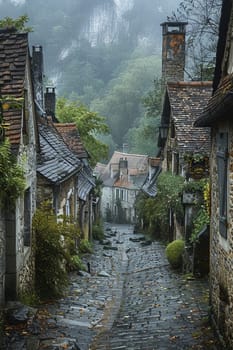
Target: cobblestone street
<point>131,299</point>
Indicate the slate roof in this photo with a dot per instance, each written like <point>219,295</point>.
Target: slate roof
<point>86,182</point>
<point>149,187</point>
<point>71,136</point>
<point>220,105</point>
<point>187,100</point>
<point>13,58</point>
<point>57,163</point>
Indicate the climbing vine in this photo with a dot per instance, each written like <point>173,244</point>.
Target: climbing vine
<point>202,218</point>
<point>12,180</point>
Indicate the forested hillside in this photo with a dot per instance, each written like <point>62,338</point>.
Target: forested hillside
<point>105,53</point>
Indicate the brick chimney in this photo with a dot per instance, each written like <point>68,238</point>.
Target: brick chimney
<point>173,51</point>
<point>38,74</point>
<point>50,101</point>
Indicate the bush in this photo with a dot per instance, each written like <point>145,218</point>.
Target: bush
<point>54,248</point>
<point>174,253</point>
<point>76,263</point>
<point>85,246</point>
<point>98,231</point>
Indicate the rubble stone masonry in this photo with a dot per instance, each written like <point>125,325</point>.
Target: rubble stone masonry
<point>221,253</point>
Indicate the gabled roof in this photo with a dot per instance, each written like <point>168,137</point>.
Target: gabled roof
<point>187,100</point>
<point>136,173</point>
<point>13,58</point>
<point>137,163</point>
<point>57,162</point>
<point>71,136</point>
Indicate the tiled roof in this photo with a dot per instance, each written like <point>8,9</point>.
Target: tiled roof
<point>220,105</point>
<point>71,136</point>
<point>137,163</point>
<point>57,162</point>
<point>137,170</point>
<point>13,57</point>
<point>187,101</point>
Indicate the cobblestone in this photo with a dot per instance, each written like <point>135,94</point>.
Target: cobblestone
<point>131,299</point>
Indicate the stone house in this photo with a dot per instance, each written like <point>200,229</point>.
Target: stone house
<point>17,258</point>
<point>184,149</point>
<point>76,188</point>
<point>57,168</point>
<point>217,116</point>
<point>86,180</point>
<point>183,103</point>
<point>122,179</point>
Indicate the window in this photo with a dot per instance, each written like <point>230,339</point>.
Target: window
<point>222,167</point>
<point>117,194</point>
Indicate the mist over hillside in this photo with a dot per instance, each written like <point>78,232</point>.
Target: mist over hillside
<point>97,49</point>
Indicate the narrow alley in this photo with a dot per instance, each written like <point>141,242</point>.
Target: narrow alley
<point>130,299</point>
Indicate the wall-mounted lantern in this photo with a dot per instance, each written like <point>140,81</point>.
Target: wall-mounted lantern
<point>163,131</point>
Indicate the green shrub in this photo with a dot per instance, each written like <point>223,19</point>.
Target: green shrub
<point>85,246</point>
<point>54,248</point>
<point>76,263</point>
<point>98,231</point>
<point>174,251</point>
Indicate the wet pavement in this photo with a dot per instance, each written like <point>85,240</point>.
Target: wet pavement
<point>131,299</point>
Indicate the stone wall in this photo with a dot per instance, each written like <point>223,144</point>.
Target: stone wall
<point>221,252</point>
<point>2,258</point>
<point>26,274</point>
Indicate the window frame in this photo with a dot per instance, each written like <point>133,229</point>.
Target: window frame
<point>222,160</point>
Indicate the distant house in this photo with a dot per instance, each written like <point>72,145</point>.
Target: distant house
<point>122,179</point>
<point>17,258</point>
<point>218,116</point>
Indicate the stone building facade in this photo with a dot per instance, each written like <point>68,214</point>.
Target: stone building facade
<point>122,178</point>
<point>218,116</point>
<point>17,257</point>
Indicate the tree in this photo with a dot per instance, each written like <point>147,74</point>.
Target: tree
<point>202,34</point>
<point>89,124</point>
<point>121,103</point>
<point>143,139</point>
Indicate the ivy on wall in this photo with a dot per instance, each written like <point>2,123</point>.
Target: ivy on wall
<point>12,180</point>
